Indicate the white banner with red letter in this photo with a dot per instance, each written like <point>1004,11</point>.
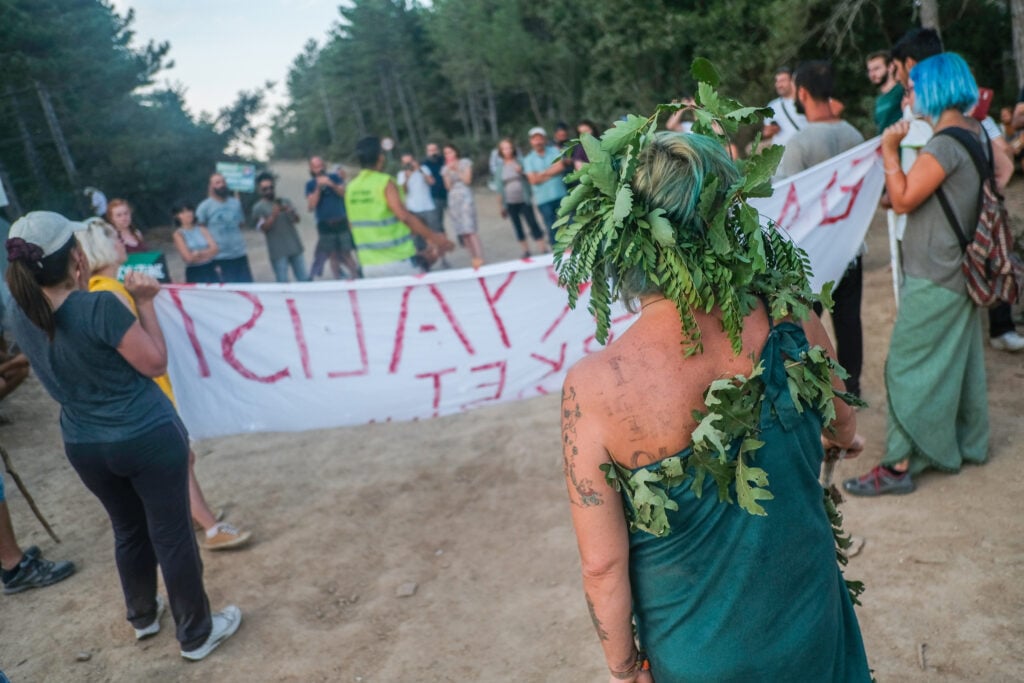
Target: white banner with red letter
<point>270,357</point>
<point>295,357</point>
<point>828,208</point>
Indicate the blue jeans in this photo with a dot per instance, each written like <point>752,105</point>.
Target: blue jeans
<point>298,264</point>
<point>234,269</point>
<point>549,212</point>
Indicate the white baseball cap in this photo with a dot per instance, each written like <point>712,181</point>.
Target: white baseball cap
<point>537,130</point>
<point>48,230</point>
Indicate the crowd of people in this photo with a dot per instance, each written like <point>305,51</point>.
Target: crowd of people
<point>89,330</point>
<point>682,601</point>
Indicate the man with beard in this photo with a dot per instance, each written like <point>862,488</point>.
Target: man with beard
<point>276,218</point>
<point>434,162</point>
<point>787,120</point>
<point>824,136</point>
<point>325,194</point>
<point>882,74</point>
<point>222,215</point>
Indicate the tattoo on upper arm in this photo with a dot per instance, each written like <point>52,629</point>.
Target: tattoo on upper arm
<point>601,633</point>
<point>570,417</point>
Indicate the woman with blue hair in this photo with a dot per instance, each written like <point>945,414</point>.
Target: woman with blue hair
<point>935,372</point>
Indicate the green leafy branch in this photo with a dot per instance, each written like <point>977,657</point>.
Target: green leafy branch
<point>605,227</point>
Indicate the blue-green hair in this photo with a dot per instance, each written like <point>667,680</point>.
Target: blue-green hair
<point>671,174</point>
<point>943,82</point>
<point>673,170</point>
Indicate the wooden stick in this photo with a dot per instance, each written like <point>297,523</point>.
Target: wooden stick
<point>26,494</point>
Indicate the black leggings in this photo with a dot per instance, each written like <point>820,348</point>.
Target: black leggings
<point>847,325</point>
<point>522,210</point>
<point>1000,321</point>
<point>143,484</point>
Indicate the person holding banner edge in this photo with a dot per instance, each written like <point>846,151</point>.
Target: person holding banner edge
<point>121,433</point>
<point>106,255</point>
<point>935,370</point>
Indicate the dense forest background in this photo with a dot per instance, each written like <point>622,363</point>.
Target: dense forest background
<point>77,106</point>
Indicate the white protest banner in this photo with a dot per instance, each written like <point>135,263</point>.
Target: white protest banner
<point>252,358</point>
<point>828,208</point>
<point>270,357</point>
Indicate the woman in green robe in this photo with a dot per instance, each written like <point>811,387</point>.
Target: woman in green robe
<point>749,591</point>
<point>935,371</point>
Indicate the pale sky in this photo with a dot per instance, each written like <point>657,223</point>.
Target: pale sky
<point>224,46</point>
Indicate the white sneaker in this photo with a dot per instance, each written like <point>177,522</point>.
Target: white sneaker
<point>154,628</point>
<point>1010,341</point>
<point>226,536</point>
<point>225,623</point>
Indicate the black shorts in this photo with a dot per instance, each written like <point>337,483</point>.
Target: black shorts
<point>333,240</point>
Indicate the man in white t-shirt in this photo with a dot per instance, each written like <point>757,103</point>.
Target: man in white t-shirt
<point>787,121</point>
<point>416,183</point>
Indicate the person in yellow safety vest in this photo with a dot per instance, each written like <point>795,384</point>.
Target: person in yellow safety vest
<point>382,227</point>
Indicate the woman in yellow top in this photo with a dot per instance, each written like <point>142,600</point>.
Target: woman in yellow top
<point>106,254</point>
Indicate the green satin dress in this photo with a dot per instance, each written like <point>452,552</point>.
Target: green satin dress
<point>729,596</point>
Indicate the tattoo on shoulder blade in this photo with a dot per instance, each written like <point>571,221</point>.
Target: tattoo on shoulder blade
<point>601,633</point>
<point>570,417</point>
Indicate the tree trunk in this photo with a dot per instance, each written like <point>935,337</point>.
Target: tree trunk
<point>15,211</point>
<point>492,109</point>
<point>474,114</point>
<point>35,164</point>
<point>57,133</point>
<point>328,114</point>
<point>930,15</point>
<point>389,109</point>
<point>1017,22</point>
<point>534,106</point>
<point>357,113</point>
<point>464,117</point>
<point>410,122</point>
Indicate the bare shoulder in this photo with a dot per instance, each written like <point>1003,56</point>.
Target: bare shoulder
<point>589,372</point>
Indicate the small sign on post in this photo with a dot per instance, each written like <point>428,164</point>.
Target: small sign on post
<point>239,177</point>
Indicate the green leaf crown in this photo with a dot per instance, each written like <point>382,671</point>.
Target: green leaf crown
<point>712,254</point>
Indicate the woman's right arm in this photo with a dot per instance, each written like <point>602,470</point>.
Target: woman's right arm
<point>183,250</point>
<point>600,524</point>
<point>143,344</point>
<point>907,191</point>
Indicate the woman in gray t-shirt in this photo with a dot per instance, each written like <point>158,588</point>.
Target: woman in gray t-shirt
<point>935,371</point>
<point>121,433</point>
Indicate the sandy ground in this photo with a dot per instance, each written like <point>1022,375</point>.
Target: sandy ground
<point>472,510</point>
